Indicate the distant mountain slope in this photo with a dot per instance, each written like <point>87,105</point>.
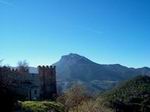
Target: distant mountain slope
<point>131,96</point>
<point>76,67</point>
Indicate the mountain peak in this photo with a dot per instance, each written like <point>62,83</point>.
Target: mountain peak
<point>73,57</point>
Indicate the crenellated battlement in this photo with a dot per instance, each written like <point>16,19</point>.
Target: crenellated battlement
<point>7,70</point>
<point>45,68</point>
<point>13,70</point>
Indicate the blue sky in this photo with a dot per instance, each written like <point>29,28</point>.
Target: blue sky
<point>105,31</point>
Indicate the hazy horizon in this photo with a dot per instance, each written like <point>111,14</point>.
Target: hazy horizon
<point>104,31</point>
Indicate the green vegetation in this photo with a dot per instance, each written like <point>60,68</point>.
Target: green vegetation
<point>41,106</point>
<point>131,96</point>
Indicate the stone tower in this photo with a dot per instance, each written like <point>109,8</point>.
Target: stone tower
<point>47,76</point>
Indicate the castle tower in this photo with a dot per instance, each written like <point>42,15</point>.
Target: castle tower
<point>47,76</point>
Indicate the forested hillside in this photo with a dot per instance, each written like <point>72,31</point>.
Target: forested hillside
<point>130,96</point>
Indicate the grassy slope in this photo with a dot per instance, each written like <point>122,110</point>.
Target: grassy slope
<point>41,106</point>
